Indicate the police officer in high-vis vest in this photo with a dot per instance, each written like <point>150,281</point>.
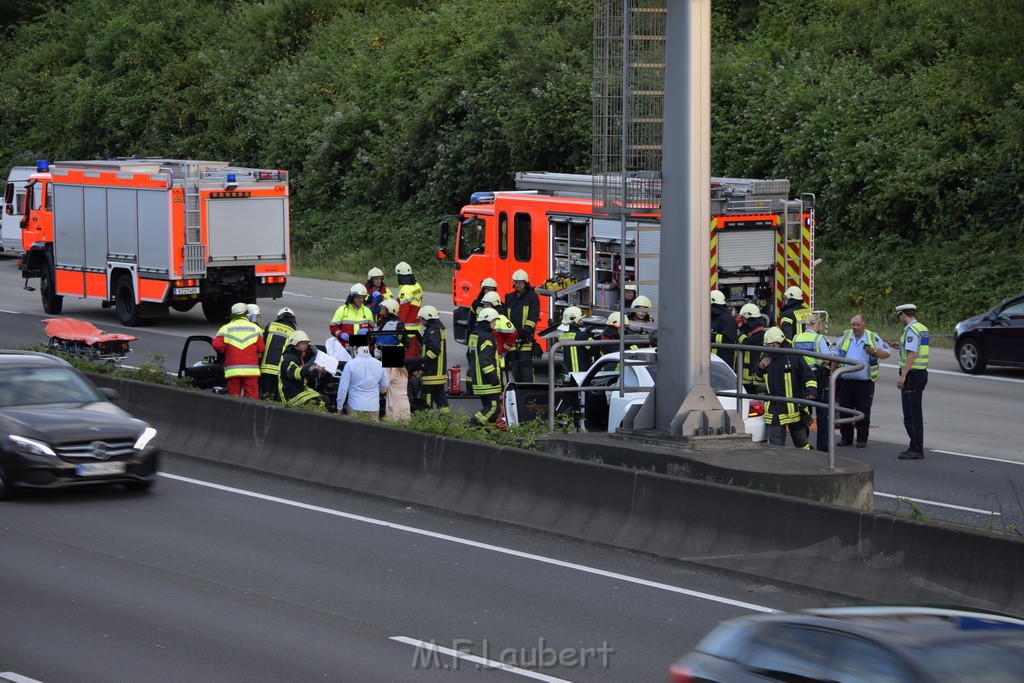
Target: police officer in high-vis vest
<point>856,390</point>
<point>913,378</point>
<point>275,338</point>
<point>811,340</point>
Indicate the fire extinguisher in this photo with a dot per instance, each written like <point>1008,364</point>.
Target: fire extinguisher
<point>455,380</point>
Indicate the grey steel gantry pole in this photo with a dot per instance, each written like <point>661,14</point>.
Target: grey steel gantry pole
<point>683,402</point>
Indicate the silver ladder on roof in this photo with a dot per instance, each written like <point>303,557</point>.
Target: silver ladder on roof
<point>195,250</point>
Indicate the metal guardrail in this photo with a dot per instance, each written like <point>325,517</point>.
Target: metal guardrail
<point>845,366</point>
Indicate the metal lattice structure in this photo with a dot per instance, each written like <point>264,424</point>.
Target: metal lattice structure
<point>628,102</point>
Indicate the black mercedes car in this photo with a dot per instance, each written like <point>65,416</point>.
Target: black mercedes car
<point>58,430</point>
<point>995,337</point>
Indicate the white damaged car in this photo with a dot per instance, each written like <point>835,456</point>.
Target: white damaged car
<point>603,409</point>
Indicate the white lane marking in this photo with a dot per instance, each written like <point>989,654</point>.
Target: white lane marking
<point>489,663</point>
<point>476,544</point>
<point>960,374</point>
<point>943,505</point>
<point>298,295</point>
<point>17,678</point>
<point>977,457</point>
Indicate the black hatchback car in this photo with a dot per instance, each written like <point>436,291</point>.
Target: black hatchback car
<point>860,645</point>
<point>995,337</point>
<point>58,430</point>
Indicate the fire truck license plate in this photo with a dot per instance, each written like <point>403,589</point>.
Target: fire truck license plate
<point>178,291</point>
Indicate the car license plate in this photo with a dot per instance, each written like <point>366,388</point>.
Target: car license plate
<point>92,469</point>
<point>179,291</point>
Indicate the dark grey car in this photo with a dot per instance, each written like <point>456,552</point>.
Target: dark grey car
<point>860,645</point>
<point>58,430</point>
<point>996,337</point>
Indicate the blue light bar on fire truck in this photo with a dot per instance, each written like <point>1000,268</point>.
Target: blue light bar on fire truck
<point>42,166</point>
<point>481,198</point>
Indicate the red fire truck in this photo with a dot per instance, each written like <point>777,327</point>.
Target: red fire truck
<point>145,235</point>
<point>762,242</point>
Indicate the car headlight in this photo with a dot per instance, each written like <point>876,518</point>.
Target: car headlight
<point>144,438</point>
<point>31,446</point>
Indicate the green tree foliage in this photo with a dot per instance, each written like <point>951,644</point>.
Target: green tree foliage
<point>903,117</point>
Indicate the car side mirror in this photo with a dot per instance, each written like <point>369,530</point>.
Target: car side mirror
<point>110,393</point>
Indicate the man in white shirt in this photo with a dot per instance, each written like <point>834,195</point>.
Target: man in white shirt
<point>362,382</point>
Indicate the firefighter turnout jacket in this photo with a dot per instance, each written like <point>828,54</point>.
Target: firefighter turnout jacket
<point>523,309</point>
<point>241,342</point>
<point>482,361</point>
<point>435,354</point>
<point>792,318</point>
<point>787,376</point>
<point>275,338</point>
<point>293,382</point>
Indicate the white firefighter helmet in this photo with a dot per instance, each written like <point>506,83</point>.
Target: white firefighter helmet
<point>285,311</point>
<point>632,288</point>
<point>429,312</point>
<point>252,309</point>
<point>390,305</point>
<point>773,335</point>
<point>572,314</point>
<point>641,302</point>
<point>239,309</point>
<point>794,293</point>
<point>403,268</point>
<point>492,298</point>
<point>358,289</point>
<point>487,315</point>
<point>375,272</point>
<point>717,297</point>
<point>489,282</point>
<point>615,319</point>
<point>520,276</point>
<point>296,337</point>
<point>749,311</point>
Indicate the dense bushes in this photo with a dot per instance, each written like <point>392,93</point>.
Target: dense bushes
<point>903,117</point>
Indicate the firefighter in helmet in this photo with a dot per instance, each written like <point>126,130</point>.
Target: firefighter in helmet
<point>575,358</point>
<point>298,368</point>
<point>410,298</point>
<point>522,306</point>
<point>435,359</point>
<point>640,310</point>
<point>487,285</point>
<point>352,317</point>
<point>751,331</point>
<point>723,327</point>
<point>794,313</point>
<point>789,377</point>
<point>275,338</point>
<point>483,368</point>
<point>241,342</point>
<point>376,290</point>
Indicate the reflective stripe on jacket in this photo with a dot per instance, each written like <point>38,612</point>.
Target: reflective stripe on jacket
<point>275,336</point>
<point>869,342</point>
<point>241,342</point>
<point>921,362</point>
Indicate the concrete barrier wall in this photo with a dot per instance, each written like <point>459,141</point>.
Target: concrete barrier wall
<point>862,554</point>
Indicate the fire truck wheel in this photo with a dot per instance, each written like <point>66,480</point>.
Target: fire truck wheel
<point>52,303</point>
<point>127,309</point>
<point>216,310</point>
